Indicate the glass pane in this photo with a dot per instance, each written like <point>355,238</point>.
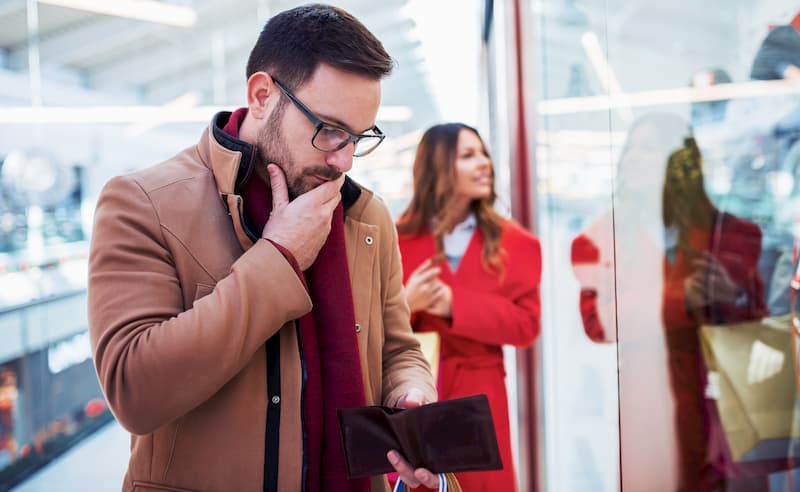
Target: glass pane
<point>667,159</point>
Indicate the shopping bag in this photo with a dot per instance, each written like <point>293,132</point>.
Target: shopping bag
<point>429,344</point>
<point>751,366</point>
<point>447,483</point>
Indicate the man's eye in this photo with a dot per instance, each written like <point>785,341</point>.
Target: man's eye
<point>328,131</point>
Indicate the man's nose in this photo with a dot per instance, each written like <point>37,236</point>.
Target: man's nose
<point>341,159</point>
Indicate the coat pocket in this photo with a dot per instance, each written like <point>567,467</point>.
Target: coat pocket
<point>140,486</point>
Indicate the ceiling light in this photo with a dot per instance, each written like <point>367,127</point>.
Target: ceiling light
<point>606,74</point>
<point>69,115</point>
<point>146,10</point>
<point>662,97</point>
<point>185,101</point>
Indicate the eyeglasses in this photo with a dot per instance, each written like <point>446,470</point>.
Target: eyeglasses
<point>330,138</point>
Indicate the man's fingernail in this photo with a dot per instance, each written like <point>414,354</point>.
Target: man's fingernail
<point>393,458</point>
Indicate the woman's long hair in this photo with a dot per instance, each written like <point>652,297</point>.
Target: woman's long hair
<point>686,204</point>
<point>432,204</point>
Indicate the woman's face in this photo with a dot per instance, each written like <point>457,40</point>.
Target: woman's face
<point>473,168</point>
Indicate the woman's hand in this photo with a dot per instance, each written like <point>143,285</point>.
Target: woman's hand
<point>442,300</point>
<point>694,291</point>
<point>710,283</point>
<point>421,287</point>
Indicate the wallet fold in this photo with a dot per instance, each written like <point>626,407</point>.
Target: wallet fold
<point>446,436</point>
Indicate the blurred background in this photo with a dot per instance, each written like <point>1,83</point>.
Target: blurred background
<point>92,89</point>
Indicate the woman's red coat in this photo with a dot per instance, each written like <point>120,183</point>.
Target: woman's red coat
<point>487,313</point>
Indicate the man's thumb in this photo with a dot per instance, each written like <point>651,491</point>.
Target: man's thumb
<point>277,181</point>
<point>414,398</point>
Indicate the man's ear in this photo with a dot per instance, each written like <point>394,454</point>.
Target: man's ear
<point>261,90</point>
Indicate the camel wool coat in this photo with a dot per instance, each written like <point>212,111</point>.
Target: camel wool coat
<point>192,323</point>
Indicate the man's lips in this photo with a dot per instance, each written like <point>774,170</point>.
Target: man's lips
<point>321,179</point>
<point>324,177</point>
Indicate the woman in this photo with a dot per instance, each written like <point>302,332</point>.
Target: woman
<point>666,262</point>
<point>710,277</point>
<point>471,276</point>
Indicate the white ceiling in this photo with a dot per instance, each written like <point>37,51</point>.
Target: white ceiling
<point>152,64</point>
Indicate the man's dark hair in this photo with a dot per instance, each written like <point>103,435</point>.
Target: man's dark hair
<point>293,43</point>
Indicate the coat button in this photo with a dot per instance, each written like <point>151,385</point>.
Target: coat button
<point>368,240</point>
<point>276,399</point>
<point>358,328</point>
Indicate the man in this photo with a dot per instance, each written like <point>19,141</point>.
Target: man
<point>223,322</point>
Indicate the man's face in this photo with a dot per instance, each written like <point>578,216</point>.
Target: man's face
<point>340,98</point>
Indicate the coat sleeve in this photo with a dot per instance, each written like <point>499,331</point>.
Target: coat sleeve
<point>674,311</point>
<point>510,317</point>
<point>404,365</point>
<point>155,359</point>
<point>594,288</point>
<point>739,251</point>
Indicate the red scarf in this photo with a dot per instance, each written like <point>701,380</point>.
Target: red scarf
<point>328,338</point>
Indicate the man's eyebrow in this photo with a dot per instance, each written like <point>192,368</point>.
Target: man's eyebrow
<point>337,122</point>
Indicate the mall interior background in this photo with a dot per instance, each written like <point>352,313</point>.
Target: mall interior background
<point>87,95</point>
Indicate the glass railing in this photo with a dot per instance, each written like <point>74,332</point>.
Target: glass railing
<point>49,395</point>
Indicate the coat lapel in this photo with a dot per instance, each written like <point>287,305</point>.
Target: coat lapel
<point>361,241</point>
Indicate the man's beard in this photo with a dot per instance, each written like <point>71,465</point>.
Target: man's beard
<point>272,148</point>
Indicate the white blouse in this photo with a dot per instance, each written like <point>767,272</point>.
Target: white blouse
<point>457,241</point>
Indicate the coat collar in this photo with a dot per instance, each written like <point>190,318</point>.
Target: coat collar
<point>232,161</point>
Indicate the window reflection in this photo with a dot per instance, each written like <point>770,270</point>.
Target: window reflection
<point>678,284</point>
<point>669,163</point>
<point>619,262</point>
<point>710,277</point>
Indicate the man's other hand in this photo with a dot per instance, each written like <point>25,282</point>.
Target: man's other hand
<point>413,478</point>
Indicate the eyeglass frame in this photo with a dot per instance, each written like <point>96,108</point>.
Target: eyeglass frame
<point>319,125</point>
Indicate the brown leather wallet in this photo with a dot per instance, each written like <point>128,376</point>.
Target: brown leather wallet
<point>446,436</point>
